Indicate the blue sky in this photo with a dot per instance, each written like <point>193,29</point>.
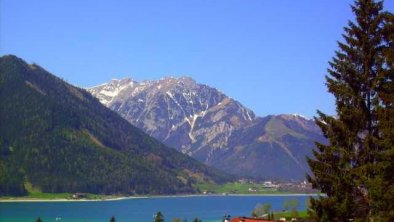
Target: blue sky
<point>269,55</point>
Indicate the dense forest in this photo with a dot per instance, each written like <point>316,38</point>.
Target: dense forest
<point>60,139</point>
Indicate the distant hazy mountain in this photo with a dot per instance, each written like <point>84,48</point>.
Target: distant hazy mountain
<point>208,125</point>
<point>61,139</point>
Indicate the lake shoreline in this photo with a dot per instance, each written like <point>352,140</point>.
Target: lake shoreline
<point>208,208</point>
<point>24,199</point>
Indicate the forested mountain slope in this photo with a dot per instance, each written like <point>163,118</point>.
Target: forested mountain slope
<point>61,139</point>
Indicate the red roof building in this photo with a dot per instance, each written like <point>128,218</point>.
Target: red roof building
<point>248,219</point>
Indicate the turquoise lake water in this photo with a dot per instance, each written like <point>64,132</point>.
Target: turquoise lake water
<point>207,208</point>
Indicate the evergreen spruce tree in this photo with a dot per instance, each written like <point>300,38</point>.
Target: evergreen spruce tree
<point>355,166</point>
<point>39,219</point>
<point>112,219</point>
<point>382,184</point>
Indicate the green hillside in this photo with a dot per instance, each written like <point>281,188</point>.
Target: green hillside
<point>59,138</point>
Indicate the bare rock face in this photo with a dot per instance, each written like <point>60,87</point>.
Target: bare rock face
<point>179,112</point>
<point>205,123</point>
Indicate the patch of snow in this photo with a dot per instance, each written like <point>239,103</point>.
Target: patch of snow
<point>301,116</point>
<point>109,93</point>
<point>192,121</point>
<point>113,91</point>
<point>138,89</point>
<point>249,117</point>
<point>175,101</point>
<point>170,94</point>
<point>188,120</point>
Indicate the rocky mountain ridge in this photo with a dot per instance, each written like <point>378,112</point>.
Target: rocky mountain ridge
<point>179,112</point>
<point>206,124</point>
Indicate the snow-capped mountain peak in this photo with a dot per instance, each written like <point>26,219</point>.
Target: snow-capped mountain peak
<point>203,122</point>
<point>108,91</point>
<point>173,108</point>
